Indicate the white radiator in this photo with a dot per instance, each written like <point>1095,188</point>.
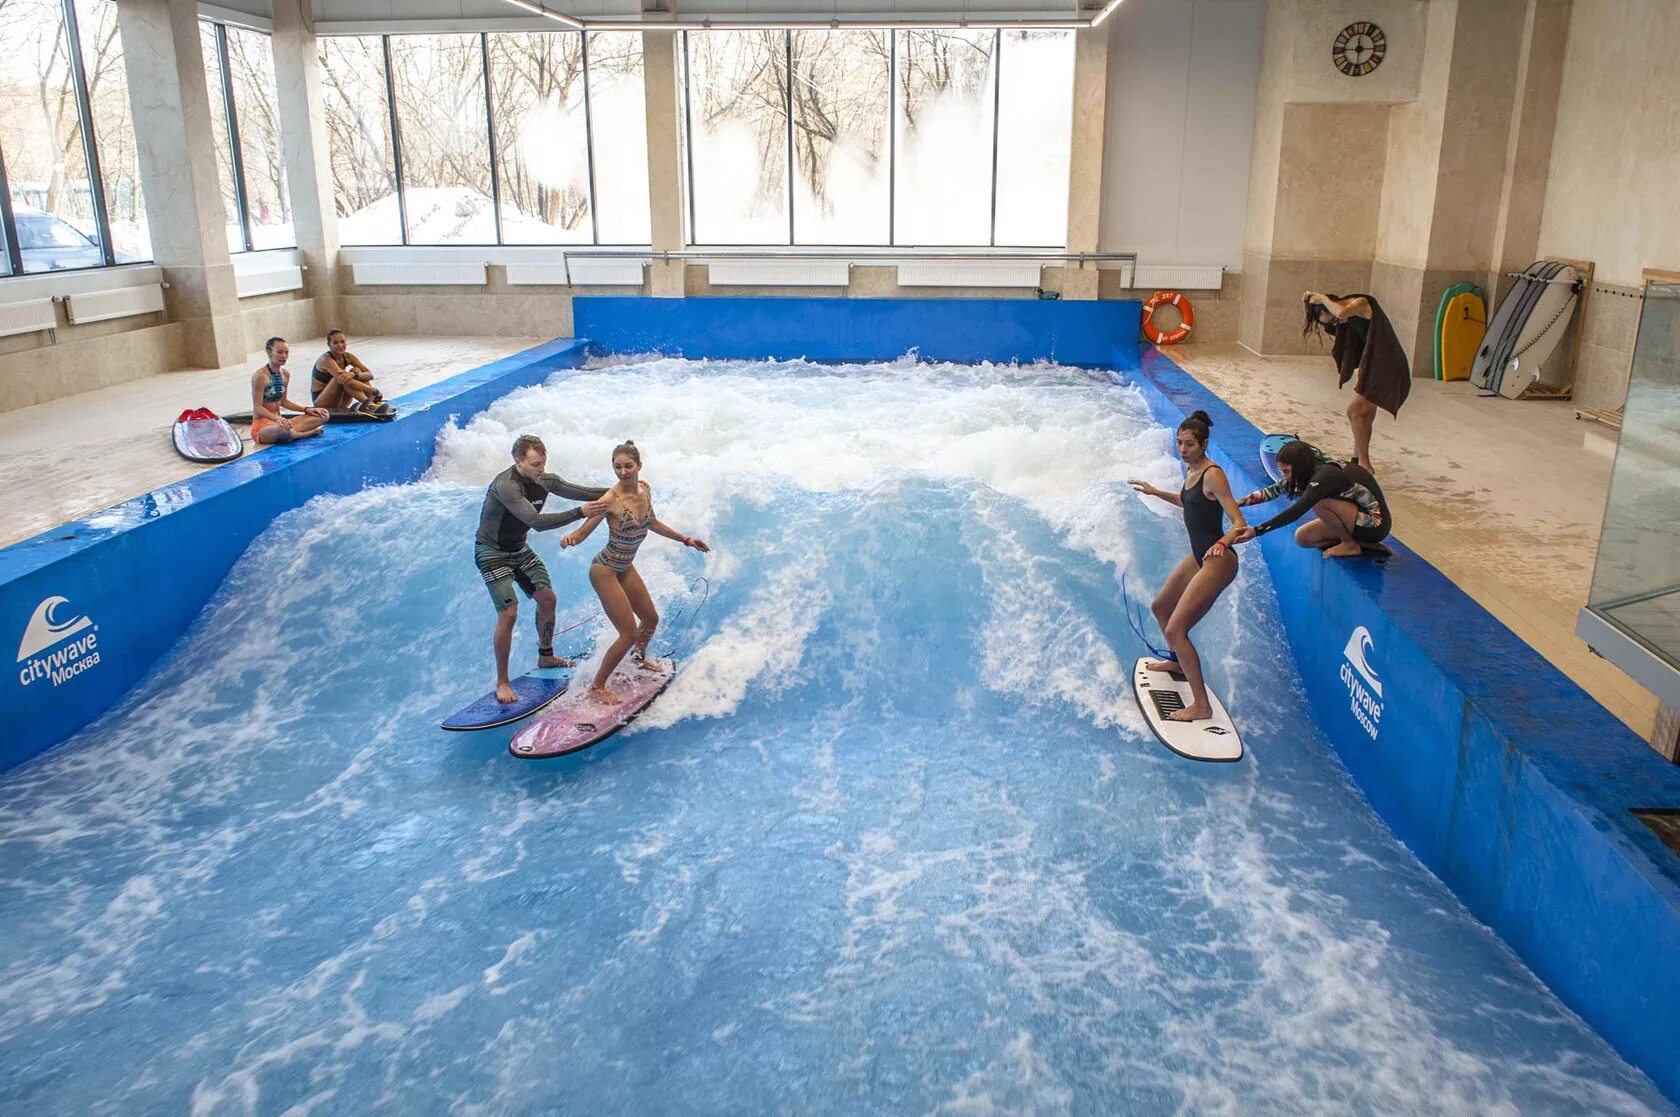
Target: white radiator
<point>97,306</point>
<point>606,273</point>
<point>1173,277</point>
<point>578,271</point>
<point>27,317</point>
<point>780,273</point>
<point>270,280</point>
<point>979,273</point>
<point>421,275</point>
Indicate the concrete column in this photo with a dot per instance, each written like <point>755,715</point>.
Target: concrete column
<point>297,74</point>
<point>1528,154</point>
<point>171,108</point>
<point>664,151</point>
<point>1085,158</point>
<point>1467,162</point>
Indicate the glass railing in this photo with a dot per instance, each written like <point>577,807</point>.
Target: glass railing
<point>1636,582</point>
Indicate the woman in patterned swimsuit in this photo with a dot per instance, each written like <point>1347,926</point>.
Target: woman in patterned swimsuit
<point>624,597</point>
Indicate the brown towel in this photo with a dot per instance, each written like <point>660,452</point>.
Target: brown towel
<point>1385,376</point>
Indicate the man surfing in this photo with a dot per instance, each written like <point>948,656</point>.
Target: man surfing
<point>512,510</point>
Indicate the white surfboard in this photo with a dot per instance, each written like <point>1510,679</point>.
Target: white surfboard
<point>1160,693</point>
<point>1548,320</point>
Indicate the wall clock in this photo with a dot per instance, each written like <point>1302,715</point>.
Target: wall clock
<point>1359,49</point>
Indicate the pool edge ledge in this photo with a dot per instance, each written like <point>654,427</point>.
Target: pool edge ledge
<point>96,603</point>
<point>1506,780</point>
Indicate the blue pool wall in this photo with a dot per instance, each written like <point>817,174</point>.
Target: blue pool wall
<point>1506,779</point>
<point>1002,331</point>
<point>1510,782</point>
<point>142,570</point>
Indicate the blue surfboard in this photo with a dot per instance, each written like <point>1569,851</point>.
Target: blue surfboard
<point>1269,447</point>
<point>535,689</point>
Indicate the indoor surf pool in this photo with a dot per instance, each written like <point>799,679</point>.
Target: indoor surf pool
<point>895,840</point>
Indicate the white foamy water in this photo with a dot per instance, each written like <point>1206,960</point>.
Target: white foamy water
<point>894,841</point>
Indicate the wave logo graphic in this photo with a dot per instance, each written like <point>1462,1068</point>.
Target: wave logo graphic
<point>1358,647</point>
<point>47,628</point>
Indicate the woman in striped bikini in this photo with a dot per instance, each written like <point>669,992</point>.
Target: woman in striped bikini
<point>624,597</point>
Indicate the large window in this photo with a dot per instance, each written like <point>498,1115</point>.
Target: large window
<point>542,138</point>
<point>245,128</point>
<point>493,138</point>
<point>358,111</point>
<point>918,137</point>
<point>64,118</point>
<point>841,96</point>
<point>738,137</point>
<point>443,128</point>
<point>618,138</point>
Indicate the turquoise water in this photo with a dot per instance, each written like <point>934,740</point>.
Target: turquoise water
<point>896,840</point>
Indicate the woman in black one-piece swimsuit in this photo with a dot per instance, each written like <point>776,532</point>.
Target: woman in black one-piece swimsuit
<point>1198,580</point>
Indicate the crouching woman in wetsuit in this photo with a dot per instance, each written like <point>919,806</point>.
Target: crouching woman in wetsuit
<point>1199,578</point>
<point>1347,501</point>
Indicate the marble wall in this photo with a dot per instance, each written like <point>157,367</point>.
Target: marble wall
<point>1615,157</point>
<point>282,314</point>
<point>85,358</point>
<point>1610,326</point>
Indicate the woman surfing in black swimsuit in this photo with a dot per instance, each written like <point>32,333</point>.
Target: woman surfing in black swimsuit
<point>1198,580</point>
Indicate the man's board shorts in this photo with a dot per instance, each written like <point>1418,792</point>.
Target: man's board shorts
<point>501,569</point>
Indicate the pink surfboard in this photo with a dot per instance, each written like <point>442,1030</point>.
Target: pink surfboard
<point>578,721</point>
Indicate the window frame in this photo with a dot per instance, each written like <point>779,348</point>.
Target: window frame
<point>894,95</point>
<point>400,178</point>
<point>69,28</point>
<point>230,111</point>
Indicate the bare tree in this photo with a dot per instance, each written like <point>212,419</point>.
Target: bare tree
<point>358,121</point>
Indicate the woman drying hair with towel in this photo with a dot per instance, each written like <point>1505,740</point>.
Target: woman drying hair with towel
<point>1366,351</point>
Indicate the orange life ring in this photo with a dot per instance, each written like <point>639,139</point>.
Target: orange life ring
<point>1184,308</point>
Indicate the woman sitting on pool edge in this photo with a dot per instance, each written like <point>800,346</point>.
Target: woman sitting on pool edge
<point>624,596</point>
<point>1352,515</point>
<point>1200,577</point>
<point>269,383</point>
<point>340,379</point>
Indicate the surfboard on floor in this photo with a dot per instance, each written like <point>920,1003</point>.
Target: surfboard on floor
<point>582,721</point>
<point>536,690</point>
<point>200,435</point>
<point>1460,323</point>
<point>1160,694</point>
<point>336,415</point>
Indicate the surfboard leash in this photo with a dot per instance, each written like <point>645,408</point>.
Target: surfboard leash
<point>1126,600</point>
<point>682,624</point>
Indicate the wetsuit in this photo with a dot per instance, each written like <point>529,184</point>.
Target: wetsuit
<point>1204,519</point>
<point>1336,481</point>
<point>512,510</point>
<point>1275,489</point>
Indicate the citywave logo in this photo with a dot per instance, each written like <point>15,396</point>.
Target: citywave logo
<point>58,644</point>
<point>1365,690</point>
